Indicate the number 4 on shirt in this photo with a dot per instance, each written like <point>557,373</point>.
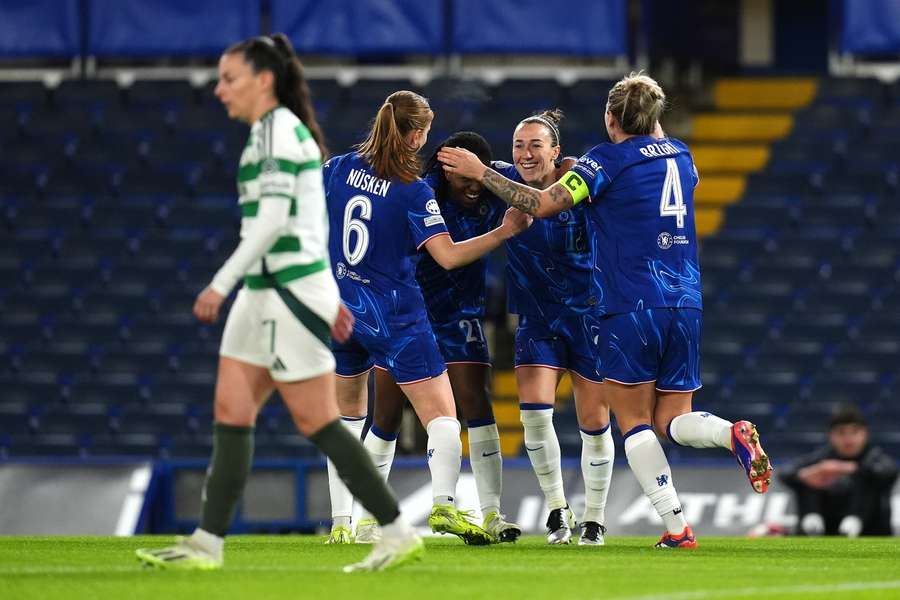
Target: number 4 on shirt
<point>671,202</point>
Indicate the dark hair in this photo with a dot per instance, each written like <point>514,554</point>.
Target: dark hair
<point>846,414</point>
<point>637,102</point>
<point>550,119</point>
<point>276,54</point>
<point>385,148</point>
<point>469,140</point>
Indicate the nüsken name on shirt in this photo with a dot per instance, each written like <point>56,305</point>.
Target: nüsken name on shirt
<point>368,183</point>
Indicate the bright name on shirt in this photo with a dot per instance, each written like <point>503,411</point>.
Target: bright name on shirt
<point>651,150</point>
<point>368,183</point>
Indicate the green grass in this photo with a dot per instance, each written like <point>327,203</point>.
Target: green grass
<point>302,567</point>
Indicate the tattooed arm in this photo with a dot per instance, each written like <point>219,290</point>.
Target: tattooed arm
<point>538,203</point>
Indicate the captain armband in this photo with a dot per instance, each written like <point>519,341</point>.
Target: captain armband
<point>576,186</point>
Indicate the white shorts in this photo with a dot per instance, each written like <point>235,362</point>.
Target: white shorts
<point>262,330</point>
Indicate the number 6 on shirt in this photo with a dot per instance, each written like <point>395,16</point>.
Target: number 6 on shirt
<point>352,225</point>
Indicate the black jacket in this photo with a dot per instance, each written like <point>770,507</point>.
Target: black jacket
<point>866,493</point>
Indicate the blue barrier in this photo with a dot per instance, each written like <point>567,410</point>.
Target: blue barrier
<point>169,27</point>
<point>112,28</point>
<point>596,28</point>
<point>871,27</point>
<point>42,28</point>
<point>351,27</point>
<point>291,495</point>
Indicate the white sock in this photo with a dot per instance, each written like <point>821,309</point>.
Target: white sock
<point>648,463</point>
<point>209,542</point>
<point>487,465</point>
<point>341,498</point>
<point>542,447</point>
<point>444,458</point>
<point>597,454</point>
<point>381,447</point>
<point>700,430</point>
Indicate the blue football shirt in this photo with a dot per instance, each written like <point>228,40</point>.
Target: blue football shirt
<point>549,264</point>
<point>377,227</point>
<point>643,239</point>
<point>459,293</point>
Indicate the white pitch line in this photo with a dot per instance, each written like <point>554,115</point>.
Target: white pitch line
<point>855,586</point>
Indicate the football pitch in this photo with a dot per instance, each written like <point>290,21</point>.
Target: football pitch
<point>303,567</point>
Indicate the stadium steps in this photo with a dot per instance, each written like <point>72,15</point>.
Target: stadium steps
<point>764,93</point>
<point>741,127</point>
<point>733,141</point>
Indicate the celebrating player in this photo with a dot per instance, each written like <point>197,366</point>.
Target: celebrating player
<point>277,333</point>
<point>646,275</point>
<point>455,302</point>
<point>549,287</point>
<point>381,213</point>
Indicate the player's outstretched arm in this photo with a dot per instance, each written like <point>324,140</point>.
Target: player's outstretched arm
<point>270,220</point>
<point>453,255</point>
<point>538,203</point>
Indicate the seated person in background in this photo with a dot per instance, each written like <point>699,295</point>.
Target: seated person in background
<point>845,487</point>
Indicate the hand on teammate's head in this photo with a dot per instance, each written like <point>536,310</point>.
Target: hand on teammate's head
<point>462,162</point>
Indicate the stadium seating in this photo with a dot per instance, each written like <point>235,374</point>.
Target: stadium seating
<point>118,205</point>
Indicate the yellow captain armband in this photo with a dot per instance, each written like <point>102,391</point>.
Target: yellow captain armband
<point>576,186</point>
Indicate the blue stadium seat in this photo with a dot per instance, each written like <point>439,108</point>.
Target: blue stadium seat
<point>526,95</point>
<point>120,123</point>
<point>589,92</point>
<point>154,418</point>
<point>86,93</point>
<point>830,88</point>
<point>729,253</point>
<point>77,418</point>
<point>153,94</point>
<point>161,178</point>
<point>133,444</point>
<point>51,444</point>
<point>372,94</point>
<point>194,446</point>
<point>746,327</point>
<point>28,93</point>
<point>15,418</point>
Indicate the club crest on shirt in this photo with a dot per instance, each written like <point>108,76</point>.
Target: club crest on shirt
<point>664,241</point>
<point>269,166</point>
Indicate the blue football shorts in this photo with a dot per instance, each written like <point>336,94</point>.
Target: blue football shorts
<point>571,342</point>
<point>462,340</point>
<point>409,358</point>
<point>660,345</point>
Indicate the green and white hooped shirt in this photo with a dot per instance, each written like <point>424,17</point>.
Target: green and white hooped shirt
<point>282,200</point>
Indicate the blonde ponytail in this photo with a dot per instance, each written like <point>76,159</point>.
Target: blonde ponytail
<point>386,148</point>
